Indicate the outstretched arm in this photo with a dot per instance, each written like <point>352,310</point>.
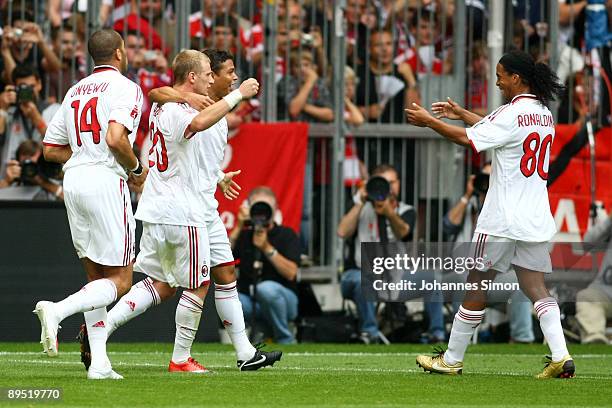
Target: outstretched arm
<point>167,94</point>
<point>418,116</point>
<point>451,110</point>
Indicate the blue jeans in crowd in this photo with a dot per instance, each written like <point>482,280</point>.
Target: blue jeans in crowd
<point>521,323</point>
<point>276,305</point>
<point>350,286</point>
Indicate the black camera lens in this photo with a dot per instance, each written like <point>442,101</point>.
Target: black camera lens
<point>29,170</point>
<point>261,214</point>
<point>378,188</point>
<point>481,183</point>
<point>25,93</point>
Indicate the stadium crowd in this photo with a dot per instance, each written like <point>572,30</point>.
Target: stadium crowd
<point>393,48</point>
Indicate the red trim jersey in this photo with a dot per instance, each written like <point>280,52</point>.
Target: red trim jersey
<point>519,136</point>
<point>170,194</point>
<point>89,106</point>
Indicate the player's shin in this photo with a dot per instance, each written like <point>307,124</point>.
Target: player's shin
<point>96,327</point>
<point>550,321</point>
<point>141,297</point>
<point>462,331</point>
<point>96,294</point>
<point>188,314</point>
<point>229,310</point>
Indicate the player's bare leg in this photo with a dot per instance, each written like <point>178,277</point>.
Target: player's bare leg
<point>468,317</point>
<point>188,314</point>
<point>561,364</point>
<point>230,312</point>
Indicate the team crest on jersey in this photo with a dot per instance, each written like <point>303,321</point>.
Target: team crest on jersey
<point>204,271</point>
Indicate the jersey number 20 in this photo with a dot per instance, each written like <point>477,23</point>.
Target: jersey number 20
<point>535,155</point>
<point>160,152</point>
<point>81,124</point>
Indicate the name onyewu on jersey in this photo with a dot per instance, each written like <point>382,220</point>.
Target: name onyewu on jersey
<point>519,135</point>
<point>89,106</point>
<point>171,191</point>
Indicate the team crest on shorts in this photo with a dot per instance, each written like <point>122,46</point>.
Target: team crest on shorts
<point>204,271</point>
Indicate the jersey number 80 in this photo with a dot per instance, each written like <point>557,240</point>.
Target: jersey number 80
<point>534,156</point>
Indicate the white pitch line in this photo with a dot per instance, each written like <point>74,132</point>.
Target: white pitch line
<point>307,354</point>
<point>304,369</point>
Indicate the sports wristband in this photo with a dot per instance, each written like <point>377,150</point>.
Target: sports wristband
<point>42,126</point>
<point>138,170</point>
<point>233,98</point>
<point>220,176</point>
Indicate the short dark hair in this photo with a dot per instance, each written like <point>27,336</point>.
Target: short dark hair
<point>24,71</point>
<point>27,148</point>
<point>425,15</point>
<point>217,57</point>
<point>21,15</point>
<point>227,21</point>
<point>102,45</point>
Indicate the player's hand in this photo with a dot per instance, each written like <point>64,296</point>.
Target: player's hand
<point>13,171</point>
<point>249,88</point>
<point>229,187</point>
<point>197,101</point>
<point>469,186</point>
<point>418,116</point>
<point>260,238</point>
<point>136,183</point>
<point>446,109</point>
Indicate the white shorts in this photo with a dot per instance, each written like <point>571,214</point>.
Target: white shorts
<point>100,215</point>
<point>220,248</point>
<point>175,254</point>
<point>501,254</point>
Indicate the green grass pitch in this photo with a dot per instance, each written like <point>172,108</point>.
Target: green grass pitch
<point>313,375</point>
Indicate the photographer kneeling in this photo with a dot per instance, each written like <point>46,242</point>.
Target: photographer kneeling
<point>32,170</point>
<point>269,255</point>
<point>377,216</point>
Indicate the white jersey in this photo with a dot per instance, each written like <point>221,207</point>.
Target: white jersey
<point>89,106</point>
<point>519,135</point>
<point>211,153</point>
<point>171,191</point>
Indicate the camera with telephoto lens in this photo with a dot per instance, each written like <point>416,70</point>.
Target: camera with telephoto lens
<point>481,183</point>
<point>378,188</point>
<point>261,215</point>
<point>30,169</point>
<point>25,93</point>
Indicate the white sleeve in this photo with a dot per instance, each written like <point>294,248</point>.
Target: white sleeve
<point>175,120</point>
<point>495,130</point>
<point>127,107</point>
<point>57,133</point>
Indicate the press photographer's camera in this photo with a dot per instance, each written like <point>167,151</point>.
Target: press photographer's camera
<point>30,169</point>
<point>25,93</point>
<point>481,183</point>
<point>261,215</point>
<point>378,188</point>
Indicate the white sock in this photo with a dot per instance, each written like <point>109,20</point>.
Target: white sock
<point>96,330</point>
<point>188,313</point>
<point>94,295</point>
<point>462,331</point>
<point>229,310</point>
<point>142,296</point>
<point>550,321</point>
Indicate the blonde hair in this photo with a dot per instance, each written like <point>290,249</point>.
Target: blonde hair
<point>187,61</point>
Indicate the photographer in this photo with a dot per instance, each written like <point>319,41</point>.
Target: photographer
<point>269,255</point>
<point>459,224</point>
<point>30,169</point>
<point>21,107</point>
<point>377,216</point>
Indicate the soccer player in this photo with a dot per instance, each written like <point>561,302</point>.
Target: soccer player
<point>210,146</point>
<point>515,223</point>
<point>93,134</point>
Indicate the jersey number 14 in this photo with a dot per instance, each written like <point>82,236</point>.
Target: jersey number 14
<point>535,155</point>
<point>81,123</point>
